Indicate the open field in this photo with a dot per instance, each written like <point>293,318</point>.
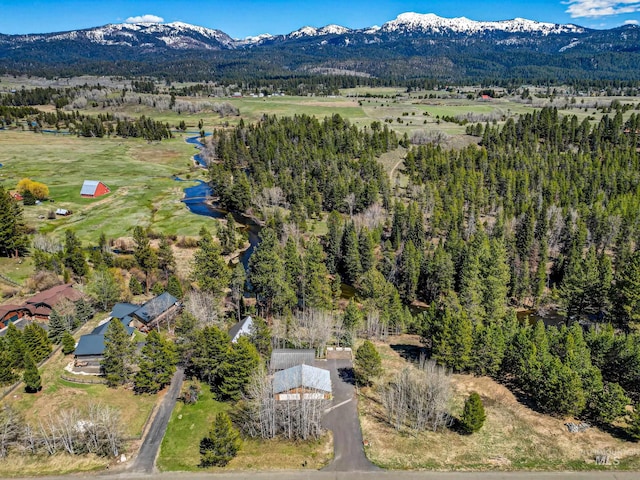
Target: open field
<point>190,423</point>
<point>513,437</point>
<point>139,174</point>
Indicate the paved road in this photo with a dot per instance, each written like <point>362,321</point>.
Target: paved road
<point>380,475</point>
<point>146,460</point>
<point>343,421</point>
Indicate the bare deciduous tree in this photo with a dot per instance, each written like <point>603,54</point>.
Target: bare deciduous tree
<point>10,429</point>
<point>312,328</point>
<point>372,217</point>
<point>204,307</point>
<point>266,417</point>
<point>418,398</point>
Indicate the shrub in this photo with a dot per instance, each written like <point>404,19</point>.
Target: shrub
<point>222,443</point>
<point>473,415</point>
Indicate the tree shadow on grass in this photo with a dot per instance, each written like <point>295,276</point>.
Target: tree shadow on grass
<point>410,353</point>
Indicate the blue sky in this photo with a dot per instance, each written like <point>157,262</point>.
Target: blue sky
<point>240,18</point>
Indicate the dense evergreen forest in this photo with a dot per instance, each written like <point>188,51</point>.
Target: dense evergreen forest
<point>543,213</point>
<point>305,164</point>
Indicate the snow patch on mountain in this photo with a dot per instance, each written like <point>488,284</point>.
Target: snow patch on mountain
<point>429,22</point>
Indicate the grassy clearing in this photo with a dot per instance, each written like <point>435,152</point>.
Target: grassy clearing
<point>40,465</point>
<point>17,270</point>
<point>58,394</point>
<point>139,174</point>
<point>514,437</point>
<point>190,423</point>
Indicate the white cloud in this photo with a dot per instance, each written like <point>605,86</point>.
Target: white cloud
<point>631,22</point>
<point>145,19</point>
<point>601,8</point>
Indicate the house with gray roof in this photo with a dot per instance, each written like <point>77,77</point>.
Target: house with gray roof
<point>155,311</point>
<point>89,352</point>
<point>283,358</point>
<point>303,382</point>
<point>147,315</point>
<point>241,328</point>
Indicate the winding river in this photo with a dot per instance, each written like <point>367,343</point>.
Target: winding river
<point>196,196</point>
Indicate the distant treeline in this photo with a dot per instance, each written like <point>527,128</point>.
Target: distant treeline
<point>86,125</point>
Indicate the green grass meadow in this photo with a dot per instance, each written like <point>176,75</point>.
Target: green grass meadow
<point>180,450</point>
<point>139,174</point>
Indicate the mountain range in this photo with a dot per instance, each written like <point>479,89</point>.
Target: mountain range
<point>408,47</point>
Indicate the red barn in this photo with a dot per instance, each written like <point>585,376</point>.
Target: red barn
<point>93,189</point>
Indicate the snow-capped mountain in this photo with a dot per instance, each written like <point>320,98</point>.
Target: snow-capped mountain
<point>412,45</point>
<point>176,35</point>
<point>429,23</point>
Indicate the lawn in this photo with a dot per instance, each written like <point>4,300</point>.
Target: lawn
<point>190,423</point>
<point>139,174</point>
<point>514,437</point>
<point>58,394</point>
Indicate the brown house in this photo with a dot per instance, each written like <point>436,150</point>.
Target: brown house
<point>41,304</point>
<point>12,313</point>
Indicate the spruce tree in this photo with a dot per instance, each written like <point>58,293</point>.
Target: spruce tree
<point>135,287</point>
<point>367,364</point>
<point>267,275</point>
<point>157,364</point>
<point>68,343</point>
<point>166,259</point>
<point>260,335</point>
<point>351,266</point>
<point>227,235</point>
<point>57,326</point>
<point>7,374</point>
<point>145,255</point>
<point>222,443</point>
<point>84,311</point>
<point>237,284</point>
<point>333,240</point>
<point>317,289</point>
<point>627,298</point>
<point>209,350</point>
<point>73,255</point>
<point>633,428</point>
<point>118,354</point>
<point>13,236</point>
<point>453,337</point>
<point>15,347</point>
<point>236,371</point>
<point>210,269</point>
<point>36,342</point>
<point>473,415</point>
<point>174,287</point>
<point>31,376</point>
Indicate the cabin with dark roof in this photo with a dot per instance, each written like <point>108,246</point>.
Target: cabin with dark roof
<point>158,309</point>
<point>89,352</point>
<point>93,189</point>
<point>283,358</point>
